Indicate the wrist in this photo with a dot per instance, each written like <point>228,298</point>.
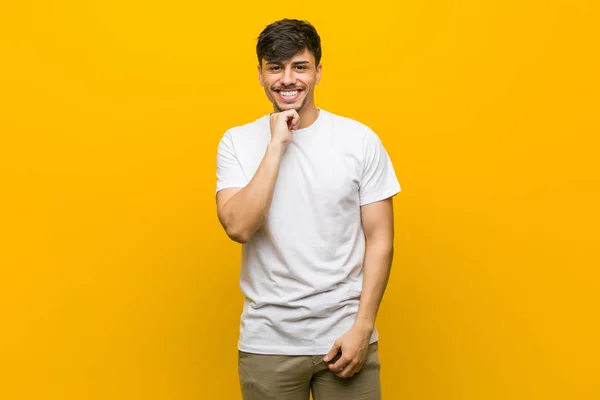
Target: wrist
<point>367,327</point>
<point>276,148</point>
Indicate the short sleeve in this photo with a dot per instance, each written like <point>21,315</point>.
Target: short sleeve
<point>229,170</point>
<point>379,179</point>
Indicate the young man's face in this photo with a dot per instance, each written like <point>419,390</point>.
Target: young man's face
<point>290,84</point>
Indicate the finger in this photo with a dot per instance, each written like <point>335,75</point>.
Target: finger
<point>292,125</point>
<point>293,119</point>
<point>287,114</point>
<point>348,371</point>
<point>360,367</point>
<point>340,364</point>
<point>332,353</point>
<point>357,369</point>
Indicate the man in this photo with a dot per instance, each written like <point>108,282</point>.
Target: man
<point>309,195</point>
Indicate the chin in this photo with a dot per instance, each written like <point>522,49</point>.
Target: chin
<point>285,107</point>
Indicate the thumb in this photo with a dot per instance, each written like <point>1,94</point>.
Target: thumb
<point>295,119</point>
<point>334,350</point>
<point>292,119</point>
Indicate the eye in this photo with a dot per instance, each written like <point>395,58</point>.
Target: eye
<point>274,68</point>
<point>301,67</point>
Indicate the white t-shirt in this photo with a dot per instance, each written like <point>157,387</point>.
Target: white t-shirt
<point>302,270</point>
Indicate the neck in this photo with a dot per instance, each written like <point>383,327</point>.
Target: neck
<point>308,116</point>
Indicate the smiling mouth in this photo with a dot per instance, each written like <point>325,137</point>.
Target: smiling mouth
<point>288,95</point>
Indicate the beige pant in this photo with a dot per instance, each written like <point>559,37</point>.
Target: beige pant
<point>276,377</point>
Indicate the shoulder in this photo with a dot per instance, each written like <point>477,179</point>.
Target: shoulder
<point>352,129</point>
<point>347,124</point>
<point>248,131</point>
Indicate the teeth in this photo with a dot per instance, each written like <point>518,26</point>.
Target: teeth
<point>289,94</point>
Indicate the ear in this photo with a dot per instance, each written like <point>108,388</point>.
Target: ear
<point>260,77</point>
<point>319,69</point>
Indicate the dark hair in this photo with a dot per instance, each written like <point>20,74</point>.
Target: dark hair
<point>283,39</point>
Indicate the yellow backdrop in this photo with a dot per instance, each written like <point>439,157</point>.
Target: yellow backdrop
<point>117,281</point>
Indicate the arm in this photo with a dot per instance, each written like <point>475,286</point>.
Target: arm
<point>242,211</point>
<point>378,225</point>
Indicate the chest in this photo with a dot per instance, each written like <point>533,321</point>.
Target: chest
<point>319,175</point>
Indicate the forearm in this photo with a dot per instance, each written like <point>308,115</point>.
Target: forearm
<point>376,271</point>
<point>245,212</point>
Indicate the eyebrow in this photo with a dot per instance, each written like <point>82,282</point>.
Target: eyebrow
<point>294,63</point>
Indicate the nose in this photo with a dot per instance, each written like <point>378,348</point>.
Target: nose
<point>288,78</point>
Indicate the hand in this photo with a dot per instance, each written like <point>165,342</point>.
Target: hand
<point>354,347</point>
<point>282,124</point>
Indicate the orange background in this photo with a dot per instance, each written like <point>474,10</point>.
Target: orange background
<point>117,281</point>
